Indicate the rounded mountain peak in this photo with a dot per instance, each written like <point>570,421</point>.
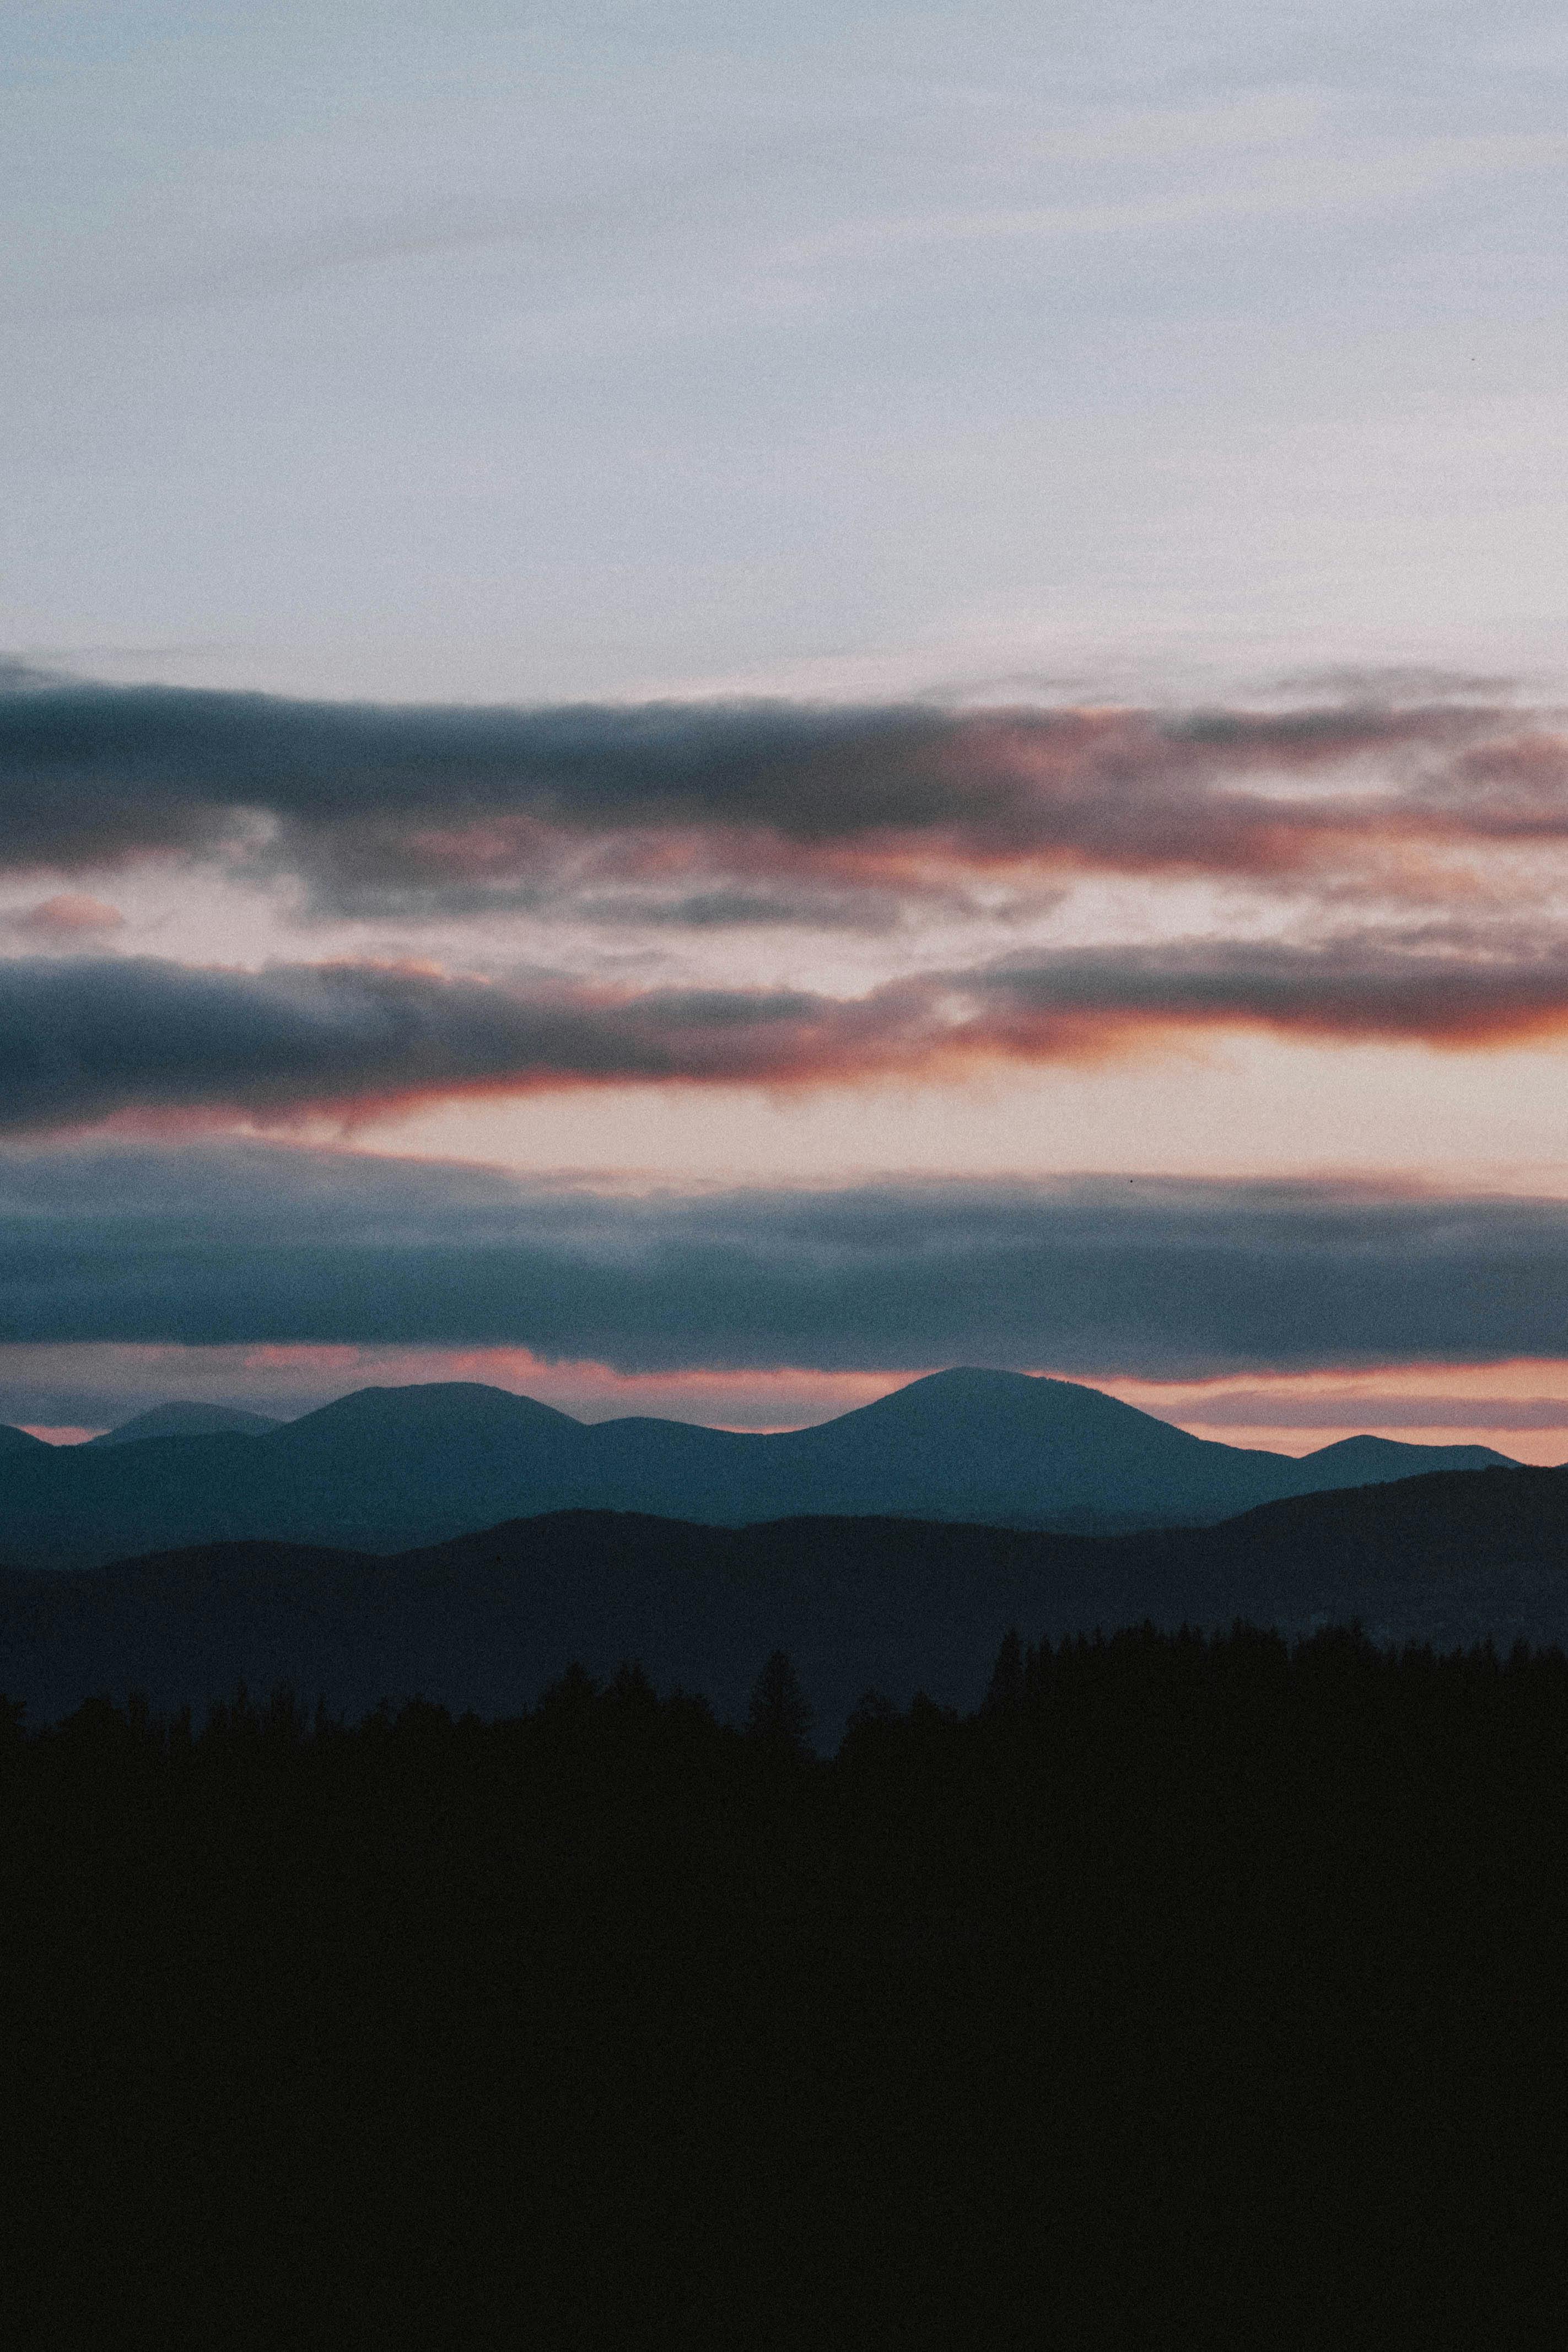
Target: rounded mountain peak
<point>430,1408</point>
<point>968,1389</point>
<point>183,1419</point>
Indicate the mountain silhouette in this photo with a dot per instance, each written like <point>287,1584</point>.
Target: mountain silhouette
<point>387,1469</point>
<point>188,1421</point>
<point>489,1619</point>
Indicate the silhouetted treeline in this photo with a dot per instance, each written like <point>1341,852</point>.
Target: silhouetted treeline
<point>1191,1990</point>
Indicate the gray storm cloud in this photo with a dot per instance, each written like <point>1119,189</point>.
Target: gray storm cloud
<point>442,810</point>
<point>258,1243</point>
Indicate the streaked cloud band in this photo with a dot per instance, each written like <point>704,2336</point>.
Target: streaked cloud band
<point>1100,1276</point>
<point>412,810</point>
<point>84,1039</point>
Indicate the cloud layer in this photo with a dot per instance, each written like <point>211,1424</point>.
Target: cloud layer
<point>434,812</point>
<point>1097,1276</point>
<point>83,1039</point>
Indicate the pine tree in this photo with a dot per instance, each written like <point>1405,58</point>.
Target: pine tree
<point>779,1718</point>
<point>1004,1696</point>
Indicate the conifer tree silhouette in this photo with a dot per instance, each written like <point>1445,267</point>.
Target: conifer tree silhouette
<point>779,1718</point>
<point>1004,1695</point>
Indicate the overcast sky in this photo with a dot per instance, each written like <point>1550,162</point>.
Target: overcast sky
<point>856,597</point>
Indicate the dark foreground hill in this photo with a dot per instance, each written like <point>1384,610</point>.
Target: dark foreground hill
<point>388,1469</point>
<point>485,1622</point>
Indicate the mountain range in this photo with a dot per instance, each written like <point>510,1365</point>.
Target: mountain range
<point>392,1469</point>
<point>487,1619</point>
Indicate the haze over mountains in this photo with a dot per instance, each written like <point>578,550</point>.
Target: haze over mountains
<point>384,1470</point>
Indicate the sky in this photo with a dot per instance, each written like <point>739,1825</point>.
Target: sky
<point>698,710</point>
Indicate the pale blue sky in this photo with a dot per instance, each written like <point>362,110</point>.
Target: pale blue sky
<point>1077,354</point>
<point>502,352</point>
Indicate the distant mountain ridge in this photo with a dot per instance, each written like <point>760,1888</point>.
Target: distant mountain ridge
<point>387,1469</point>
<point>189,1421</point>
<point>487,1619</point>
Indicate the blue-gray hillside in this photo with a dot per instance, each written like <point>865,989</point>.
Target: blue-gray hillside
<point>189,1421</point>
<point>389,1469</point>
<point>488,1621</point>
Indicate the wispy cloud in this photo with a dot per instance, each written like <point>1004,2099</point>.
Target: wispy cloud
<point>68,918</point>
<point>1342,180</point>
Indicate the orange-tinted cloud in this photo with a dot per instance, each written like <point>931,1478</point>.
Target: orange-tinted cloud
<point>68,916</point>
<point>798,810</point>
<point>86,1039</point>
<point>1376,984</point>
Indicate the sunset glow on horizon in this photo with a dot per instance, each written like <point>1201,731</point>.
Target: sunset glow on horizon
<point>692,725</point>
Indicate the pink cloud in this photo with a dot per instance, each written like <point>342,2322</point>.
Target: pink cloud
<point>426,811</point>
<point>69,915</point>
<point>88,1039</point>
